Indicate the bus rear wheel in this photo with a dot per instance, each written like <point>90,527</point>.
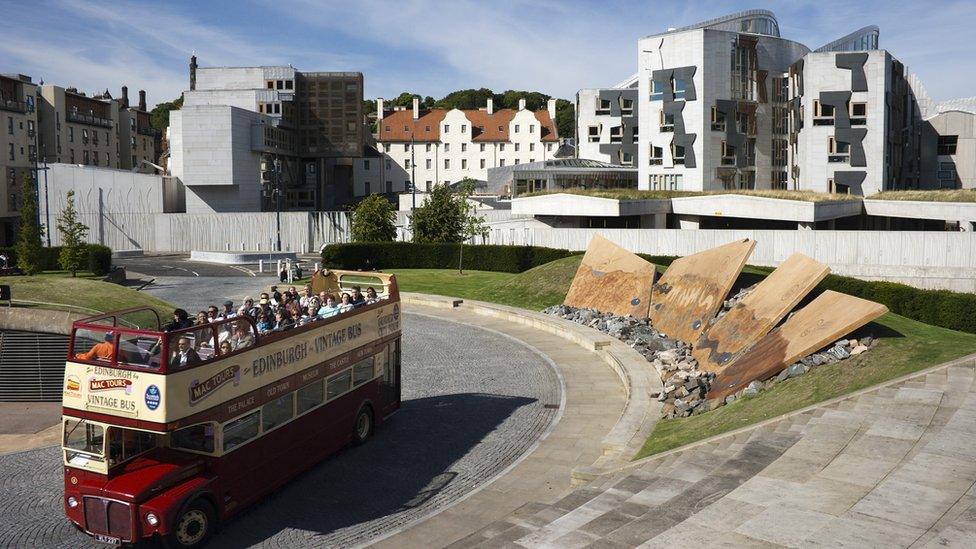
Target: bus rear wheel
<point>193,527</point>
<point>364,425</point>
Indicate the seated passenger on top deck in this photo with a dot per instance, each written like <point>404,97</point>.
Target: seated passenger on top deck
<point>184,355</point>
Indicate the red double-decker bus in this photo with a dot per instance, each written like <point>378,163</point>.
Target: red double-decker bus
<point>168,433</point>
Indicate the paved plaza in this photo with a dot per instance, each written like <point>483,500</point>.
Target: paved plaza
<point>474,403</point>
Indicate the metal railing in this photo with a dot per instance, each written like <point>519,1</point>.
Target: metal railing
<point>89,119</point>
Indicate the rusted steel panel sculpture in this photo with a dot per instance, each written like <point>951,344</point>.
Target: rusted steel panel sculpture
<point>693,288</point>
<point>828,317</point>
<point>613,280</point>
<point>758,312</point>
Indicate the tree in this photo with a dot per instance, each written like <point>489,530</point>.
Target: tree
<point>159,116</point>
<point>473,224</point>
<point>565,118</point>
<point>373,220</point>
<point>28,247</point>
<point>74,252</point>
<point>440,219</point>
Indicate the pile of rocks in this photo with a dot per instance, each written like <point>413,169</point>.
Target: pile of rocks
<point>685,385</point>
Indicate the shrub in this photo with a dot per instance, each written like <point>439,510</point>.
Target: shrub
<point>409,255</point>
<point>441,218</point>
<point>98,259</point>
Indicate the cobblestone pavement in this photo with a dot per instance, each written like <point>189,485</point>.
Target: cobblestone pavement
<point>891,467</point>
<point>474,402</point>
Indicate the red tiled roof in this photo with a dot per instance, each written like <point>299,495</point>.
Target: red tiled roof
<point>400,125</point>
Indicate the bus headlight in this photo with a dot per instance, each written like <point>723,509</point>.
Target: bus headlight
<point>152,519</point>
<point>72,502</point>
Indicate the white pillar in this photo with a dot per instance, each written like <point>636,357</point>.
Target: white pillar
<point>260,265</point>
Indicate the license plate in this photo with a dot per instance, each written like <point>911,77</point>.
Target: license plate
<point>107,539</point>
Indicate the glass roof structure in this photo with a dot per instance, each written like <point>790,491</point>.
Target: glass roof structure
<point>749,21</point>
<point>862,39</point>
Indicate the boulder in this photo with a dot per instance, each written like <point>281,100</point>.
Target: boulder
<point>752,389</point>
<point>867,341</point>
<point>796,370</point>
<point>858,350</point>
<point>840,352</point>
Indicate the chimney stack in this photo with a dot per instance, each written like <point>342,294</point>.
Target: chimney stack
<point>551,107</point>
<point>125,96</point>
<point>142,100</point>
<point>379,109</point>
<point>416,108</point>
<point>491,106</point>
<point>193,72</point>
<point>522,104</point>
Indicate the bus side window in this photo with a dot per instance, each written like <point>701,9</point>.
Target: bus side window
<point>362,372</point>
<point>339,384</point>
<point>310,396</point>
<point>277,412</point>
<point>241,430</point>
<point>199,438</point>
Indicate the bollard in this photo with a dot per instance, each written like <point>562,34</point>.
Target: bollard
<point>242,246</point>
<point>278,270</point>
<point>288,266</point>
<point>260,264</point>
<point>227,246</point>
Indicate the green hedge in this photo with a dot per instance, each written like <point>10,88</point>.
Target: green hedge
<point>943,308</point>
<point>408,255</point>
<point>99,258</point>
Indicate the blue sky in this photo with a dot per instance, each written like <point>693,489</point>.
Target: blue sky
<point>433,47</point>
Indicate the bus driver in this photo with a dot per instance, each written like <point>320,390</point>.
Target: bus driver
<point>101,351</point>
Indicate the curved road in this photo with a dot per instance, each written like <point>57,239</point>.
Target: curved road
<point>473,404</point>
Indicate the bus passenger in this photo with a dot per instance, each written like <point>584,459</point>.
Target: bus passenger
<point>181,319</point>
<point>357,297</point>
<point>201,319</point>
<point>242,338</point>
<point>371,296</point>
<point>248,308</point>
<point>184,355</point>
<point>225,348</point>
<point>329,308</point>
<point>311,313</point>
<point>346,303</point>
<point>102,351</point>
<point>283,320</point>
<point>264,322</point>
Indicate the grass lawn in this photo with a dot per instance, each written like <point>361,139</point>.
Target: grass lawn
<point>54,290</point>
<point>947,195</point>
<point>905,346</point>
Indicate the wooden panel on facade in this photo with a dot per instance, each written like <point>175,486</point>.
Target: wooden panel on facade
<point>826,319</point>
<point>758,312</point>
<point>693,288</point>
<point>611,279</point>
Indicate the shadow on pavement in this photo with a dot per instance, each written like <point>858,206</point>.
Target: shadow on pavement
<point>405,467</point>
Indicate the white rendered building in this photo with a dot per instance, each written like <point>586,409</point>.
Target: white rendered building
<point>440,147</point>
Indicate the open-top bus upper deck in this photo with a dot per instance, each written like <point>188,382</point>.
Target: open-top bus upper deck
<point>131,376</point>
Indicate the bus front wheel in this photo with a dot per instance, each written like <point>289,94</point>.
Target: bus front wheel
<point>193,526</point>
<point>364,425</point>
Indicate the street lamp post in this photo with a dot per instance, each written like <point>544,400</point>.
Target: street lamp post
<point>277,191</point>
<point>413,173</point>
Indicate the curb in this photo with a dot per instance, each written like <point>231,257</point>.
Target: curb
<point>640,413</point>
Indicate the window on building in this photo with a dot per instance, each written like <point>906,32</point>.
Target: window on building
<point>778,180</point>
<point>666,122</point>
<point>84,137</point>
<point>657,156</point>
<point>386,128</point>
<point>427,148</point>
<point>366,165</point>
<point>679,88</point>
<point>427,128</point>
<point>447,128</point>
<point>823,115</point>
<point>838,150</point>
<point>859,112</point>
<point>482,147</point>
<point>447,147</point>
<point>947,144</point>
<point>406,164</point>
<point>406,129</point>
<point>10,125</point>
<point>464,164</point>
<point>531,147</point>
<point>280,84</point>
<point>447,163</point>
<point>626,158</point>
<point>406,147</point>
<point>626,107</point>
<point>428,185</point>
<point>271,84</point>
<point>12,157</point>
<point>604,107</point>
<point>464,128</point>
<point>501,162</point>
<point>464,147</point>
<point>71,134</point>
<point>531,128</point>
<point>516,147</point>
<point>501,147</point>
<point>95,158</point>
<point>516,128</point>
<point>677,154</point>
<point>593,133</point>
<point>616,134</point>
<point>482,163</point>
<point>516,161</point>
<point>657,90</point>
<point>87,159</point>
<point>428,163</point>
<point>501,129</point>
<point>728,154</point>
<point>386,146</point>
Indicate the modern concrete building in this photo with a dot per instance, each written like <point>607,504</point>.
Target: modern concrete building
<point>18,147</point>
<point>440,146</point>
<point>238,122</point>
<point>713,104</point>
<point>607,123</point>
<point>954,129</point>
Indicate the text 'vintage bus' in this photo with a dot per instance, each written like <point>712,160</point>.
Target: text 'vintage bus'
<point>168,433</point>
